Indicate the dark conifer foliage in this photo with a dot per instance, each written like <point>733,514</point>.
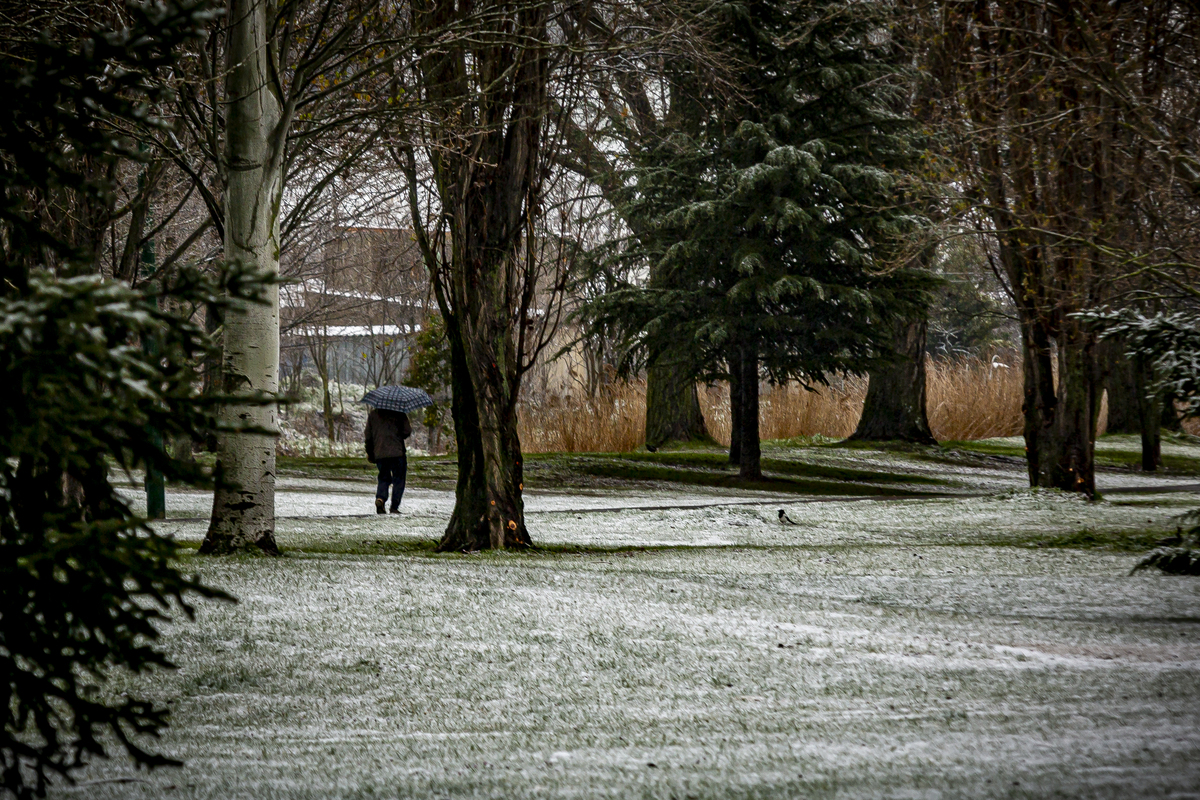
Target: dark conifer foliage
<point>775,224</point>
<point>83,581</point>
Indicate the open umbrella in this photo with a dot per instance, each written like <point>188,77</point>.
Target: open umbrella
<point>397,398</point>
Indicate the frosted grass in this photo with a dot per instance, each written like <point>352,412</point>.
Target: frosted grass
<point>875,649</point>
<point>699,519</point>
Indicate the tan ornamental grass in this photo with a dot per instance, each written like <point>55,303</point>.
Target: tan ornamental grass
<point>968,398</point>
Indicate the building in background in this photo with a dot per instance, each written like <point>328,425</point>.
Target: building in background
<point>354,304</point>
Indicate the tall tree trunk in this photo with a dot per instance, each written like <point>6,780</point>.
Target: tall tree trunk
<point>1043,176</point>
<point>1060,415</point>
<point>672,407</point>
<point>469,527</point>
<point>490,98</point>
<point>1171,419</point>
<point>750,457</point>
<point>735,406</point>
<point>1038,400</point>
<point>243,514</point>
<point>489,509</point>
<point>1150,413</point>
<point>1121,385</point>
<point>894,409</point>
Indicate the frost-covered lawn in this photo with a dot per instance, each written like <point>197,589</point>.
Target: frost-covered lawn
<point>691,647</point>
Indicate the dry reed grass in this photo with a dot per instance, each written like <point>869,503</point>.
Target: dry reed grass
<point>790,410</point>
<point>967,399</point>
<point>971,398</point>
<point>613,422</point>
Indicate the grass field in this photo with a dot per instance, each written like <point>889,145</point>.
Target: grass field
<point>672,639</point>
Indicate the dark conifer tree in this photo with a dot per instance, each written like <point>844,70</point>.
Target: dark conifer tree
<point>774,225</point>
<point>83,581</point>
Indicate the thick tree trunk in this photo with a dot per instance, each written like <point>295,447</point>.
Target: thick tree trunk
<point>1150,414</point>
<point>477,524</point>
<point>1039,400</point>
<point>735,406</point>
<point>489,510</point>
<point>1171,419</point>
<point>750,458</point>
<point>243,514</point>
<point>488,97</point>
<point>486,162</point>
<point>1060,415</point>
<point>672,407</point>
<point>1121,385</point>
<point>894,409</point>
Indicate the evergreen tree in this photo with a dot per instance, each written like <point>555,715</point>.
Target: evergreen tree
<point>83,580</point>
<point>1167,348</point>
<point>774,223</point>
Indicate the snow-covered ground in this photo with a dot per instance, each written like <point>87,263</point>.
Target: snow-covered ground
<point>916,648</point>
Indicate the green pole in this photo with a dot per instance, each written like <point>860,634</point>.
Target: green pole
<point>156,489</point>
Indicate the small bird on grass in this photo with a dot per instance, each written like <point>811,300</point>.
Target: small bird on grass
<point>784,519</point>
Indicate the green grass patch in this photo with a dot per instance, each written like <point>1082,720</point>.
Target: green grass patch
<point>987,447</point>
<point>1135,541</point>
<point>695,467</point>
<point>720,461</point>
<point>714,479</point>
<point>1109,453</point>
<point>369,547</point>
<point>422,470</point>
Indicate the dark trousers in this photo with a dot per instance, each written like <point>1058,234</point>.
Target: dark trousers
<point>391,473</point>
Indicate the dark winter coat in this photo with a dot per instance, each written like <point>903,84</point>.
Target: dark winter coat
<point>385,434</point>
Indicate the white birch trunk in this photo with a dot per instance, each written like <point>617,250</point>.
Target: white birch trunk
<point>243,514</point>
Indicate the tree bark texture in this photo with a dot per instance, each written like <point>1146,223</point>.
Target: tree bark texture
<point>243,515</point>
<point>1171,418</point>
<point>1121,385</point>
<point>1060,409</point>
<point>750,455</point>
<point>469,521</point>
<point>1150,414</point>
<point>1057,159</point>
<point>735,406</point>
<point>485,383</point>
<point>894,409</point>
<point>1067,456</point>
<point>489,92</point>
<point>672,407</point>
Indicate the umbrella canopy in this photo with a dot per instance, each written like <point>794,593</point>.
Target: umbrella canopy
<point>397,398</point>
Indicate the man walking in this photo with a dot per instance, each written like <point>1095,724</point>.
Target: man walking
<point>384,439</point>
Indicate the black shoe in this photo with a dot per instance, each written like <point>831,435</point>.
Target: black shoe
<point>395,509</point>
<point>379,506</point>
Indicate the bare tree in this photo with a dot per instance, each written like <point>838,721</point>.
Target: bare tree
<point>477,153</point>
<point>262,122</point>
<point>644,88</point>
<point>1076,125</point>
